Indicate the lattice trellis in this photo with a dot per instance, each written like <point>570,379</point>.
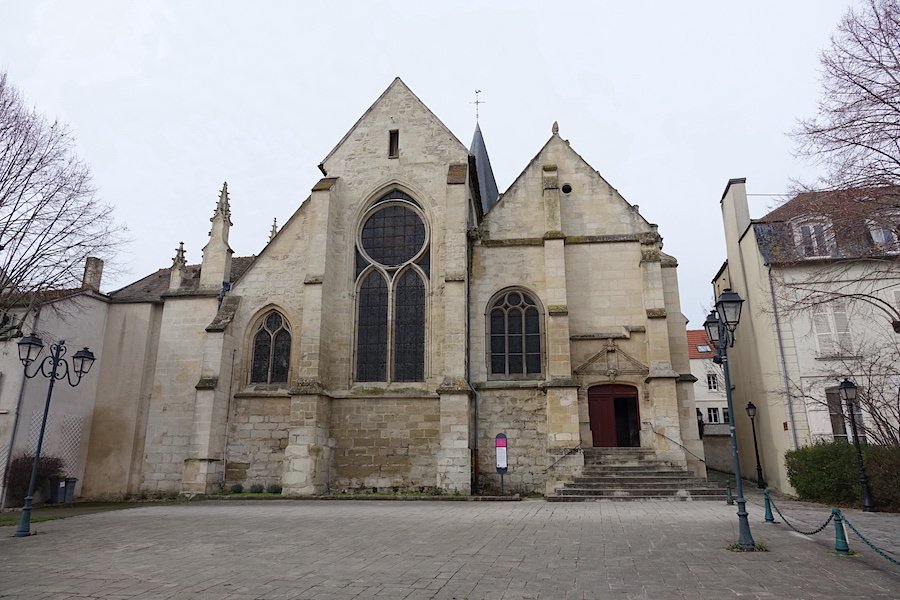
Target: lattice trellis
<point>34,432</point>
<point>70,441</point>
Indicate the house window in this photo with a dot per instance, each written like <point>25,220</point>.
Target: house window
<point>271,350</point>
<point>836,414</point>
<point>394,143</point>
<point>712,415</point>
<point>392,267</point>
<point>726,418</point>
<point>704,348</point>
<point>712,382</point>
<point>813,238</point>
<point>514,329</point>
<point>883,228</point>
<point>832,328</point>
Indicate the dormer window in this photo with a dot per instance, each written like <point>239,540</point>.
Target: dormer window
<point>883,226</point>
<point>813,237</point>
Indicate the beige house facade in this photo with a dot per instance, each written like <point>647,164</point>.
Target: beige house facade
<point>802,329</point>
<point>402,318</point>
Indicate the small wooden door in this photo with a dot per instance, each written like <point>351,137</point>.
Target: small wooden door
<point>613,412</point>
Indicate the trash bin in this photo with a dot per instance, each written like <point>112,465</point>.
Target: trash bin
<point>57,491</point>
<point>70,488</point>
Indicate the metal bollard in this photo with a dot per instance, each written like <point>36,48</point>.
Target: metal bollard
<point>729,499</point>
<point>841,548</point>
<point>770,518</point>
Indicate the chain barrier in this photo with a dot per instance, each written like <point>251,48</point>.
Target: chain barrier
<point>840,545</point>
<point>824,525</point>
<point>870,544</point>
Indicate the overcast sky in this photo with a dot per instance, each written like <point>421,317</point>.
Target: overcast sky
<point>667,100</point>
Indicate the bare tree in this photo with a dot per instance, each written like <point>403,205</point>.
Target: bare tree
<point>50,217</point>
<point>874,365</point>
<point>856,131</point>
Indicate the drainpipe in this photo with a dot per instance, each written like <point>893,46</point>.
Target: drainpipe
<point>15,427</point>
<point>787,387</point>
<point>227,420</point>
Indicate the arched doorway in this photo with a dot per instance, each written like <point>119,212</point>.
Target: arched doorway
<point>614,416</point>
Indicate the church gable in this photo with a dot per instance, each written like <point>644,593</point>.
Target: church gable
<point>558,192</point>
<point>398,129</point>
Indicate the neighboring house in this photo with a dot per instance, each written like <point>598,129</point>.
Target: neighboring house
<point>709,389</point>
<point>77,316</point>
<point>403,317</point>
<point>818,305</point>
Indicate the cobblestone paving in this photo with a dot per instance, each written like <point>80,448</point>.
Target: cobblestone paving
<point>322,550</point>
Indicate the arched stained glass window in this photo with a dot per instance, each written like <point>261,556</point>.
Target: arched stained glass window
<point>271,351</point>
<point>514,329</point>
<point>392,266</point>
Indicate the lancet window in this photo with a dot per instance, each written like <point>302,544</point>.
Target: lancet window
<point>392,271</point>
<point>271,350</point>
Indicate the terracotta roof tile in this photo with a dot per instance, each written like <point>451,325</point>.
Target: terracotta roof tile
<point>696,339</point>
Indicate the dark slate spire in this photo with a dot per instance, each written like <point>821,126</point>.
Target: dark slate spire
<point>486,182</point>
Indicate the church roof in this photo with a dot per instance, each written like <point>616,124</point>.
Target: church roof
<point>486,182</point>
<point>152,287</point>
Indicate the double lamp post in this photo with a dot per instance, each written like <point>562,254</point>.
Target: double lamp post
<point>720,326</point>
<point>55,368</point>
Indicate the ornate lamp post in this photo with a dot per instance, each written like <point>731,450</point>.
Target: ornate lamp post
<point>55,368</point>
<point>720,326</point>
<point>751,412</point>
<point>848,391</point>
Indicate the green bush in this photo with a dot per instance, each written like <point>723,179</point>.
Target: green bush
<point>828,472</point>
<point>256,488</point>
<point>883,470</point>
<point>237,489</point>
<point>273,488</point>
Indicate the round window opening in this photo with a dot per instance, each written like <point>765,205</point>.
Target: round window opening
<point>567,189</point>
<point>394,235</point>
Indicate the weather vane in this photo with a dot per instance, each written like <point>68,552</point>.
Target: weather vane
<point>476,103</point>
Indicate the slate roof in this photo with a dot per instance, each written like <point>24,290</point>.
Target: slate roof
<point>695,338</point>
<point>152,287</point>
<point>486,182</point>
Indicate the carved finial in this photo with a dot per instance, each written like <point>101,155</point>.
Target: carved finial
<point>223,207</point>
<point>274,229</point>
<point>179,262</point>
<point>555,128</point>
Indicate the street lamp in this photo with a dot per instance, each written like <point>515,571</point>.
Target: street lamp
<point>720,326</point>
<point>848,391</point>
<point>55,368</point>
<point>751,412</point>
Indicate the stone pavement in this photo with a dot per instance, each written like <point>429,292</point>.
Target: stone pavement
<point>322,550</point>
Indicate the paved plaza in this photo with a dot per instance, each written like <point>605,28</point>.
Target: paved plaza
<point>322,550</point>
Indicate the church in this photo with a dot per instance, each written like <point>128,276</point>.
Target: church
<point>403,317</point>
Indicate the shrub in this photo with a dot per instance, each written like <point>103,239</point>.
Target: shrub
<point>237,488</point>
<point>273,488</point>
<point>828,472</point>
<point>19,476</point>
<point>883,470</point>
<point>256,488</point>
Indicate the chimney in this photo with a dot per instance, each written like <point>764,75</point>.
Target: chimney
<point>93,272</point>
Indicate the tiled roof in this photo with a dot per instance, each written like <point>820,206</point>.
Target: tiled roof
<point>696,339</point>
<point>152,287</point>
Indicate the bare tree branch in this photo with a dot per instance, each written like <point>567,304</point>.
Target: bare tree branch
<point>51,220</point>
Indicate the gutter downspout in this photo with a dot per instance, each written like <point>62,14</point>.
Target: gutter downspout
<point>15,427</point>
<point>475,472</point>
<point>787,389</point>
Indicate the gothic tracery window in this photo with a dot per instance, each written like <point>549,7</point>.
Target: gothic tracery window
<point>392,267</point>
<point>514,329</point>
<point>271,350</point>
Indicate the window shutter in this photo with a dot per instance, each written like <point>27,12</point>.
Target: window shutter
<point>824,334</point>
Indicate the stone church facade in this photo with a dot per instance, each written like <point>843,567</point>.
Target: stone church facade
<point>402,318</point>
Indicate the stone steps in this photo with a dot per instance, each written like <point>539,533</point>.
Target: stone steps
<point>633,474</point>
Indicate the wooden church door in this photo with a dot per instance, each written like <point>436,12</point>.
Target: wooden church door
<point>614,417</point>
